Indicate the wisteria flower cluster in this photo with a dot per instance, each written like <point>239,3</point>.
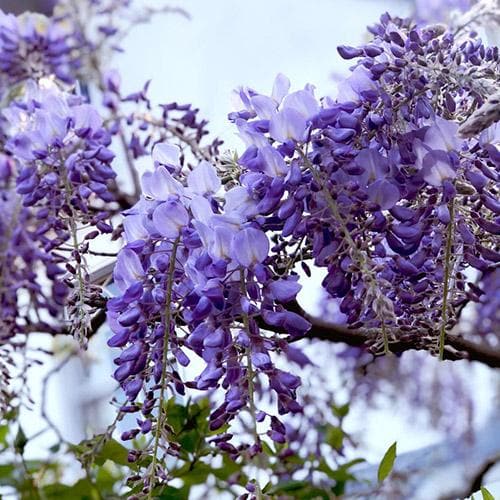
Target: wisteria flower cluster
<point>60,164</point>
<point>377,187</point>
<point>397,204</point>
<point>195,276</point>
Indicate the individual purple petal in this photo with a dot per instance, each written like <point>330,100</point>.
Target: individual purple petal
<point>443,135</point>
<point>275,165</point>
<point>281,87</point>
<point>160,184</point>
<point>166,154</point>
<point>133,388</point>
<point>443,213</point>
<point>284,290</point>
<point>210,376</point>
<point>250,246</point>
<point>128,269</point>
<point>203,179</point>
<point>384,193</point>
<point>129,317</point>
<point>214,339</point>
<point>437,168</point>
<point>288,124</point>
<point>295,324</point>
<point>347,52</point>
<point>302,101</point>
<point>264,106</point>
<point>169,218</point>
<point>261,360</point>
<point>373,163</point>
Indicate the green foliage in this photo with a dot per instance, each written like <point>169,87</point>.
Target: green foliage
<point>105,465</point>
<point>115,452</point>
<point>387,463</point>
<point>335,437</point>
<point>486,494</point>
<point>340,411</point>
<point>4,430</point>
<point>20,441</point>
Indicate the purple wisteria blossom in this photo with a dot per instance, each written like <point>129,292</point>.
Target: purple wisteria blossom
<point>33,46</point>
<point>194,276</point>
<point>377,184</point>
<point>389,190</point>
<point>60,165</point>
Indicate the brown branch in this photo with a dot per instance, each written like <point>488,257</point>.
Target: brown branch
<point>476,481</point>
<point>456,347</point>
<point>461,348</point>
<point>95,323</point>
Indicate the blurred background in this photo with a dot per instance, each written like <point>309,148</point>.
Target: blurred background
<point>223,45</point>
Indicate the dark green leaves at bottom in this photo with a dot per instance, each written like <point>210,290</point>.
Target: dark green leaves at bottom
<point>385,467</point>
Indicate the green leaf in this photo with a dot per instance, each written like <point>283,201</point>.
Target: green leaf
<point>176,415</point>
<point>4,430</point>
<point>171,493</point>
<point>197,474</point>
<point>106,479</point>
<point>20,441</point>
<point>7,475</point>
<point>267,449</point>
<point>486,494</point>
<point>354,462</point>
<point>228,468</point>
<point>113,451</point>
<point>385,467</point>
<point>190,440</point>
<point>82,489</point>
<point>286,487</point>
<point>57,490</point>
<point>11,415</point>
<point>334,437</point>
<point>340,411</point>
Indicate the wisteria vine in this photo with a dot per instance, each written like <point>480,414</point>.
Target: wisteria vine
<point>390,190</point>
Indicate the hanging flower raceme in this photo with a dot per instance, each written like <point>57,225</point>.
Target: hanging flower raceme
<point>195,275</point>
<point>62,177</point>
<point>23,264</point>
<point>377,186</point>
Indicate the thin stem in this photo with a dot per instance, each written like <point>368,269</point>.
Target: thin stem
<point>385,339</point>
<point>446,284</point>
<point>166,339</point>
<point>197,151</point>
<point>134,175</point>
<point>250,376</point>
<point>250,372</point>
<point>78,265</point>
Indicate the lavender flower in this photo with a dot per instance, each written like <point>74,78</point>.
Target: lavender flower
<point>193,277</point>
<point>371,181</point>
<point>33,46</point>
